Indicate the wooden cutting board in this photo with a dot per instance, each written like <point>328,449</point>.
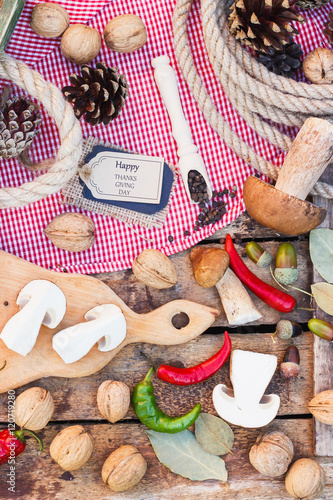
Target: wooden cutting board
<point>83,293</point>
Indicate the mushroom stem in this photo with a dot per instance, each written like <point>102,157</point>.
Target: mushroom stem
<point>307,159</point>
<point>236,302</point>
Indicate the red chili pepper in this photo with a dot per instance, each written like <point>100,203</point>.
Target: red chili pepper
<point>13,443</point>
<point>198,373</point>
<point>271,296</point>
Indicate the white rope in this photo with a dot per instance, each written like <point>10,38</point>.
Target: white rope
<point>68,155</point>
<point>254,91</point>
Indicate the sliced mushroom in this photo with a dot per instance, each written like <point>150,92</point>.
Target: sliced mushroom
<point>105,324</point>
<point>283,207</point>
<point>40,302</point>
<point>210,268</point>
<point>246,405</point>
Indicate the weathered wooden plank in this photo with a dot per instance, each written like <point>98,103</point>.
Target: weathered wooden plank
<point>244,228</point>
<point>143,299</point>
<point>323,350</point>
<point>10,11</point>
<point>39,478</point>
<point>75,399</point>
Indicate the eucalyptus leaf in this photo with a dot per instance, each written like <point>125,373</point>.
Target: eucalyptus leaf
<point>182,455</point>
<point>213,434</point>
<point>323,294</point>
<point>321,252</point>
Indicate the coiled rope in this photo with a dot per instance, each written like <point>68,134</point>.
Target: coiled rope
<point>254,91</point>
<point>65,164</point>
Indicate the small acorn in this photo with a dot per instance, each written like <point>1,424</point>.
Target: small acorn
<point>290,366</point>
<point>286,264</point>
<point>287,329</point>
<point>258,255</point>
<point>321,328</point>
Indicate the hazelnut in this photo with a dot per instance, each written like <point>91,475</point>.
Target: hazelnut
<point>305,479</point>
<point>80,43</point>
<point>125,33</point>
<point>272,454</point>
<point>113,400</point>
<point>155,269</point>
<point>209,265</point>
<point>71,231</point>
<point>318,66</point>
<point>72,447</point>
<point>321,407</point>
<point>49,20</point>
<point>124,468</point>
<point>34,408</point>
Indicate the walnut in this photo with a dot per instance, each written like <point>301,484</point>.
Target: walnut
<point>72,447</point>
<point>272,454</point>
<point>49,20</point>
<point>34,408</point>
<point>71,231</point>
<point>321,407</point>
<point>125,33</point>
<point>318,66</point>
<point>124,468</point>
<point>305,479</point>
<point>113,400</point>
<point>155,269</point>
<point>80,43</point>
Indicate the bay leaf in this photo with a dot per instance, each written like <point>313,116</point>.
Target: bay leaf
<point>182,455</point>
<point>213,434</point>
<point>323,294</point>
<point>321,252</point>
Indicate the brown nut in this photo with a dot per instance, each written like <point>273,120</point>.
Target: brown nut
<point>80,43</point>
<point>113,400</point>
<point>71,231</point>
<point>321,407</point>
<point>124,468</point>
<point>49,20</point>
<point>72,447</point>
<point>305,479</point>
<point>155,269</point>
<point>318,66</point>
<point>272,453</point>
<point>34,408</point>
<point>125,33</point>
<point>209,265</point>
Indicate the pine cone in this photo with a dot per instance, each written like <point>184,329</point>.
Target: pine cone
<point>283,62</point>
<point>263,24</point>
<point>99,94</point>
<point>19,122</point>
<point>311,4</point>
<point>329,27</point>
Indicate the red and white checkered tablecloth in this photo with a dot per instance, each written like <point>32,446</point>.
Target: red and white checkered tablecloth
<point>143,126</point>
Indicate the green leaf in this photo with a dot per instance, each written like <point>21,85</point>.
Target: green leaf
<point>321,252</point>
<point>182,455</point>
<point>323,294</point>
<point>213,434</point>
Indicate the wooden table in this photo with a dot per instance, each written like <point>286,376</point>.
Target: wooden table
<point>39,478</point>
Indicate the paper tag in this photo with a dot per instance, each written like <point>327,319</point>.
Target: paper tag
<point>125,177</point>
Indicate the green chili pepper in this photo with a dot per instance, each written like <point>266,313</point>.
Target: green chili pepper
<point>152,416</point>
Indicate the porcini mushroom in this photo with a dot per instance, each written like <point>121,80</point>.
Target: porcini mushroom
<point>40,302</point>
<point>106,325</point>
<point>246,405</point>
<point>283,207</point>
<point>211,268</point>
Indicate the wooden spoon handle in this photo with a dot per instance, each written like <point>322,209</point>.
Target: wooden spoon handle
<point>157,327</point>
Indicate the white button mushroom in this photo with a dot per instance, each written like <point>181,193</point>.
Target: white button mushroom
<point>106,325</point>
<point>40,302</point>
<point>246,405</point>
